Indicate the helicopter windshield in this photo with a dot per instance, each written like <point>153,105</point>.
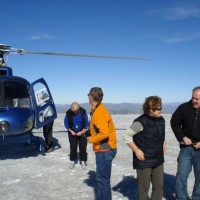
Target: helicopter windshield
<point>14,94</point>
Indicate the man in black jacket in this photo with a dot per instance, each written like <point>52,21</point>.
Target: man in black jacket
<point>185,123</point>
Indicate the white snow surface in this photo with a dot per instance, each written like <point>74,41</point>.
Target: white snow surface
<point>26,174</point>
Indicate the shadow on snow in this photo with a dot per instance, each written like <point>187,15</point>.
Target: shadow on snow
<point>23,146</point>
<point>128,186</point>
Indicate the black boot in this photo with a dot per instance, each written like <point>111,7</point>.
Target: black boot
<point>49,148</point>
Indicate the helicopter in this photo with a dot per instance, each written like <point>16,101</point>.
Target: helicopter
<point>21,102</point>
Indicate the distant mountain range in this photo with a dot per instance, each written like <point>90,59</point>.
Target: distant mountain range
<point>122,108</point>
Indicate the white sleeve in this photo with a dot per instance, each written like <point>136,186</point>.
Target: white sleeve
<point>135,128</point>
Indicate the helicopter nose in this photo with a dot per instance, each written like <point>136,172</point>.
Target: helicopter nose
<point>4,127</point>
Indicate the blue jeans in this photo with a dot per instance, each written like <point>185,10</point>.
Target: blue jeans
<point>188,157</point>
<point>103,173</point>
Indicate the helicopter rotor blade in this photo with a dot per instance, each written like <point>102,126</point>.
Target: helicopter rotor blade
<point>6,49</point>
<point>80,55</point>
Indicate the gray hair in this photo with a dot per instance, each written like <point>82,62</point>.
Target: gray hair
<point>196,88</point>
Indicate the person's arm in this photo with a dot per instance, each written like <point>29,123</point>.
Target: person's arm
<point>86,121</point>
<point>81,132</point>
<point>196,145</point>
<point>67,126</point>
<point>176,125</point>
<point>101,128</point>
<point>139,153</point>
<point>66,122</point>
<point>85,129</point>
<point>164,147</point>
<point>135,128</point>
<point>72,132</point>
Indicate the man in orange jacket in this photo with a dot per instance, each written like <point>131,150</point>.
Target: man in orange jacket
<point>103,137</point>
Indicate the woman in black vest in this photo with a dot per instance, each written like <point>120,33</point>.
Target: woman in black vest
<point>76,122</point>
<point>146,137</point>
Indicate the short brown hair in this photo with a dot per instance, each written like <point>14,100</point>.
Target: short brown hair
<point>152,102</point>
<point>96,93</point>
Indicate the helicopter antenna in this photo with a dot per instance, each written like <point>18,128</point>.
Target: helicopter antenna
<point>5,49</point>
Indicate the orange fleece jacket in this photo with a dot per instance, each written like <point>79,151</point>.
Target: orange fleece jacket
<point>102,120</point>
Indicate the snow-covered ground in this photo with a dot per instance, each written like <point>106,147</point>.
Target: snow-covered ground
<point>27,175</point>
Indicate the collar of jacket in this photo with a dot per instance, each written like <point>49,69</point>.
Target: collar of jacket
<point>93,108</point>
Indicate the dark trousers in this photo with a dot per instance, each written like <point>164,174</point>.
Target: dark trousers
<point>48,134</point>
<point>150,175</point>
<point>74,142</point>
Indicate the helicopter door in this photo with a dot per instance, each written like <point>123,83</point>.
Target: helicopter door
<point>43,104</point>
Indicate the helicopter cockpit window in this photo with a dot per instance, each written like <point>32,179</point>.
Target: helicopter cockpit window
<point>14,94</point>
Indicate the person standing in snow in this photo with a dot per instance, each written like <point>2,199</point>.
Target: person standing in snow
<point>185,123</point>
<point>76,122</point>
<point>146,138</point>
<point>103,138</point>
<point>48,128</point>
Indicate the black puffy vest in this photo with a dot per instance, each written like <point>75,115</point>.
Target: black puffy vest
<point>150,141</point>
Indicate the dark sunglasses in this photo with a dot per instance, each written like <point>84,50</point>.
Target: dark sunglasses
<point>158,108</point>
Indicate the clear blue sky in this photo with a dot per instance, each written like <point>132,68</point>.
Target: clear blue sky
<point>167,32</point>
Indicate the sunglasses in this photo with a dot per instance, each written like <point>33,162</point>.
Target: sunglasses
<point>158,108</point>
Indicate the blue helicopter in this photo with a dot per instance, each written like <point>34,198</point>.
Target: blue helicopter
<point>22,103</point>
